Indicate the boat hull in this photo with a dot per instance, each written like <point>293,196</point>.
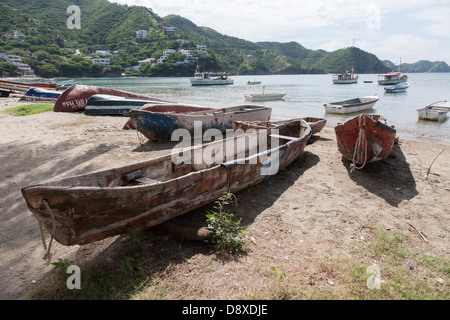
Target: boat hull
<point>434,112</point>
<point>376,139</point>
<point>210,82</point>
<point>160,125</point>
<point>91,207</point>
<point>75,98</point>
<point>401,87</point>
<point>100,104</point>
<point>40,95</point>
<point>345,81</point>
<point>352,106</point>
<point>264,96</point>
<point>23,86</point>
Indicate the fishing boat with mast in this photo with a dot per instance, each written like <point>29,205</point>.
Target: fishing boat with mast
<point>346,77</point>
<point>393,78</point>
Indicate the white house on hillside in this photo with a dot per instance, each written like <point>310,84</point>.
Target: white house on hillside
<point>141,34</point>
<point>103,61</point>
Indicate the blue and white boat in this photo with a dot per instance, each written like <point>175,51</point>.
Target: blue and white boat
<point>40,95</point>
<point>401,87</point>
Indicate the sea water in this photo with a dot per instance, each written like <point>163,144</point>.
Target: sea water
<point>305,96</point>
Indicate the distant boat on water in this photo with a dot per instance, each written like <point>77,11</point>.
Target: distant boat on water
<point>401,87</point>
<point>392,78</point>
<point>264,96</point>
<point>250,83</point>
<point>207,79</point>
<point>345,78</point>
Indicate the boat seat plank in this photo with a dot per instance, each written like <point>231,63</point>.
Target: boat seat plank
<point>283,137</point>
<point>145,180</point>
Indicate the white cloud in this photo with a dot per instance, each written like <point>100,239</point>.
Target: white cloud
<point>387,28</point>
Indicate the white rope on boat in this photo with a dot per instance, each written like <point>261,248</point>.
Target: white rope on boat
<point>362,143</point>
<point>53,229</point>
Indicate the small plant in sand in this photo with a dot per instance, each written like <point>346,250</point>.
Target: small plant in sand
<point>61,265</point>
<point>228,234</point>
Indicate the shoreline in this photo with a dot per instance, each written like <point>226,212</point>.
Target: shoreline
<point>324,207</point>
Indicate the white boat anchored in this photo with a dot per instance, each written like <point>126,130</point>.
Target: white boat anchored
<point>352,105</point>
<point>345,78</point>
<point>401,87</point>
<point>436,111</point>
<point>206,78</point>
<point>264,96</point>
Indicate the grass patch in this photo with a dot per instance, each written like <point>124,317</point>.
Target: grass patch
<point>30,109</point>
<point>404,274</point>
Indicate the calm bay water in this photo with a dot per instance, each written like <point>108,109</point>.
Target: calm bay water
<point>305,96</point>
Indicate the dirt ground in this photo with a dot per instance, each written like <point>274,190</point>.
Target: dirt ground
<point>315,205</point>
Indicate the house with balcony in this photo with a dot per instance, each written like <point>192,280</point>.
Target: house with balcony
<point>103,61</point>
<point>141,34</point>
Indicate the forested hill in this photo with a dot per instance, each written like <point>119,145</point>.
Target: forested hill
<point>37,31</point>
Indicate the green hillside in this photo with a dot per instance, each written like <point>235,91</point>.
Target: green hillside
<point>52,49</point>
<point>344,59</point>
<point>420,66</point>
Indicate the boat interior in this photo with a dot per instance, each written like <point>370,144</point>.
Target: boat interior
<point>246,144</point>
<point>198,111</point>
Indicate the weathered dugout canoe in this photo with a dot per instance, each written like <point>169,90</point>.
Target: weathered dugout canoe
<point>365,138</point>
<point>173,108</point>
<point>106,105</point>
<point>159,125</point>
<point>90,207</point>
<point>75,97</point>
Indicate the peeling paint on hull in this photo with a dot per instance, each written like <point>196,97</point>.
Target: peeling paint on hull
<point>94,206</point>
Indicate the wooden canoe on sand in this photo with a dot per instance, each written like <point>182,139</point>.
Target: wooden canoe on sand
<point>158,123</point>
<point>89,207</point>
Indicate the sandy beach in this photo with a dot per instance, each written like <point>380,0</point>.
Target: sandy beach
<point>313,208</point>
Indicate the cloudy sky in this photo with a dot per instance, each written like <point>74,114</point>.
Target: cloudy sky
<point>409,30</point>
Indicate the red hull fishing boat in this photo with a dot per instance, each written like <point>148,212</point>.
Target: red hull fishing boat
<point>365,138</point>
<point>75,98</point>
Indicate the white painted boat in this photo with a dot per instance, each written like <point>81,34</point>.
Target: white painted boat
<point>208,79</point>
<point>264,96</point>
<point>352,105</point>
<point>345,78</point>
<point>435,112</point>
<point>392,78</point>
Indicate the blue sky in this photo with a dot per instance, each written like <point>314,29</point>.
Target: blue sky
<point>409,30</point>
